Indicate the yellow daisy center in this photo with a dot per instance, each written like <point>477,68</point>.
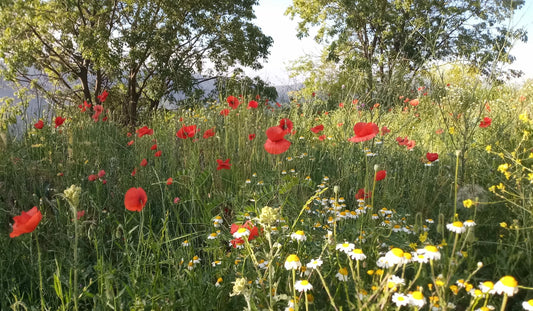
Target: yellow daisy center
<point>457,224</point>
<point>417,295</point>
<point>304,282</point>
<point>509,281</point>
<point>293,258</point>
<point>397,252</point>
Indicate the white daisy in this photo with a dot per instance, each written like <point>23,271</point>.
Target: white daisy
<point>345,247</point>
<point>298,236</point>
<point>342,275</point>
<point>400,300</point>
<point>417,299</point>
<point>506,285</point>
<point>303,286</point>
<point>292,262</point>
<point>241,232</point>
<point>314,263</point>
<point>456,227</point>
<point>357,254</point>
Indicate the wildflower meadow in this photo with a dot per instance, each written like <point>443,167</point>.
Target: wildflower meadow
<point>422,201</point>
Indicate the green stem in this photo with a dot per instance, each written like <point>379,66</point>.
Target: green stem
<point>294,289</point>
<point>504,302</point>
<point>39,260</point>
<point>327,289</point>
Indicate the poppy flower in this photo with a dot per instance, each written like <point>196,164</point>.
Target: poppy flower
<point>59,121</point>
<point>187,131</point>
<point>251,137</point>
<point>101,174</point>
<point>92,177</point>
<point>144,131</point>
<point>85,106</point>
<point>439,131</point>
<point>321,137</point>
<point>135,199</point>
<point>26,222</point>
<point>98,109</point>
<point>485,122</point>
<point>224,112</point>
<point>134,172</point>
<point>286,124</point>
<point>254,231</point>
<point>402,141</point>
<point>158,154</point>
<point>102,97</point>
<point>341,105</point>
<point>233,102</point>
<point>209,133</point>
<point>384,130</point>
<point>144,162</point>
<point>252,104</point>
<point>154,147</point>
<point>278,105</point>
<point>236,242</point>
<point>276,142</point>
<point>432,156</point>
<point>80,214</point>
<point>317,129</point>
<point>414,102</point>
<point>39,125</point>
<point>223,165</point>
<point>364,131</point>
<point>410,144</point>
<point>380,175</point>
<point>361,194</point>
<point>131,142</point>
<point>169,181</point>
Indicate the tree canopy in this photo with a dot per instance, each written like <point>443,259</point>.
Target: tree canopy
<point>142,50</point>
<point>381,37</point>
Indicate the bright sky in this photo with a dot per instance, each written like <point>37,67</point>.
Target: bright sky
<point>287,48</point>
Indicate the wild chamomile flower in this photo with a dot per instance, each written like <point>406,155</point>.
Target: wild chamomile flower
<point>420,257</point>
<point>284,172</point>
<point>357,254</point>
<point>212,236</point>
<point>394,281</point>
<point>430,252</point>
<point>528,305</point>
<point>345,247</point>
<point>218,220</point>
<point>430,221</point>
<point>248,181</point>
<point>196,259</point>
<point>262,264</point>
<point>219,280</point>
<point>456,227</point>
<point>185,243</point>
<point>395,256</point>
<point>190,265</point>
<point>417,299</point>
<point>241,232</point>
<point>506,285</point>
<point>400,300</point>
<point>487,287</point>
<point>298,236</point>
<point>303,286</point>
<point>314,263</point>
<point>216,263</point>
<point>292,262</point>
<point>342,275</point>
<point>469,223</point>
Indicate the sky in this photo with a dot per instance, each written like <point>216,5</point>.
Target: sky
<point>287,47</point>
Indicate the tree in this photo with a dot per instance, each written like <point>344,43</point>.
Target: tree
<point>142,50</point>
<point>252,88</point>
<point>382,37</point>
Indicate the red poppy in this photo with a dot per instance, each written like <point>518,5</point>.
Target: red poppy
<point>187,131</point>
<point>26,222</point>
<point>80,214</point>
<point>257,97</point>
<point>169,181</point>
<point>98,109</point>
<point>317,129</point>
<point>384,130</point>
<point>158,154</point>
<point>341,105</point>
<point>252,104</point>
<point>104,118</point>
<point>101,174</point>
<point>236,242</point>
<point>432,156</point>
<point>144,162</point>
<point>414,102</point>
<point>485,122</point>
<point>410,144</point>
<point>134,172</point>
<point>251,137</point>
<point>322,137</point>
<point>92,177</point>
<point>209,133</point>
<point>144,131</point>
<point>402,141</point>
<point>104,182</point>
<point>233,102</point>
<point>85,106</point>
<point>361,194</point>
<point>364,131</point>
<point>224,112</point>
<point>380,175</point>
<point>276,142</point>
<point>102,97</point>
<point>313,94</point>
<point>131,142</point>
<point>223,165</point>
<point>254,231</point>
<point>154,147</point>
<point>58,121</point>
<point>286,124</point>
<point>135,199</point>
<point>278,105</point>
<point>39,125</point>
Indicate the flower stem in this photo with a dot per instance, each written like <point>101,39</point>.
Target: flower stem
<point>39,260</point>
<point>327,289</point>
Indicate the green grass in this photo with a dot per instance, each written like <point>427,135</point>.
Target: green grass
<point>113,258</point>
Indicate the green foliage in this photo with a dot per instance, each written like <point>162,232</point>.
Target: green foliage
<point>142,50</point>
<point>254,88</point>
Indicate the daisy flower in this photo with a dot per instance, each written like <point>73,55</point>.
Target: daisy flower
<point>185,243</point>
<point>507,285</point>
<point>292,262</point>
<point>263,264</point>
<point>298,236</point>
<point>303,286</point>
<point>212,236</point>
<point>342,275</point>
<point>456,227</point>
<point>528,305</point>
<point>241,232</point>
<point>469,223</point>
<point>430,252</point>
<point>195,259</point>
<point>394,281</point>
<point>395,256</point>
<point>417,299</point>
<point>357,254</point>
<point>400,300</point>
<point>345,247</point>
<point>487,287</point>
<point>219,280</point>
<point>314,263</point>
